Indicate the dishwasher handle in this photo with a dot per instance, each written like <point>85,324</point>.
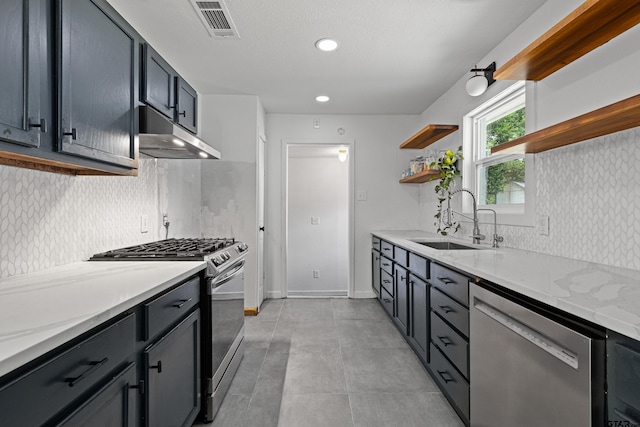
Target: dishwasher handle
<point>561,353</point>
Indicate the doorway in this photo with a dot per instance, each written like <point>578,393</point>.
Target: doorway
<point>318,224</point>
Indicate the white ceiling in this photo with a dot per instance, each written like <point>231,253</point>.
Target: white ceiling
<point>394,57</point>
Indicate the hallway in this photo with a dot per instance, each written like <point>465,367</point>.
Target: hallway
<point>330,362</point>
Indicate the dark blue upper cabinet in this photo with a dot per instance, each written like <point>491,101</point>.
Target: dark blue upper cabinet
<point>164,90</point>
<point>23,57</point>
<point>158,82</point>
<point>186,105</point>
<point>98,62</point>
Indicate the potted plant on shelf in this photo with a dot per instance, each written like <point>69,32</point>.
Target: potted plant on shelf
<point>449,170</point>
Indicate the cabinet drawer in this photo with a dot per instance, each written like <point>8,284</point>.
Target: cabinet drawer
<point>400,256</point>
<point>386,281</point>
<point>165,310</point>
<point>386,265</point>
<point>454,313</point>
<point>452,344</point>
<point>450,380</point>
<point>387,301</point>
<point>375,243</point>
<point>450,282</point>
<point>419,266</point>
<point>43,392</point>
<point>386,249</point>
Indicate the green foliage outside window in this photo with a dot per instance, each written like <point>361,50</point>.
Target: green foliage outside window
<point>498,132</point>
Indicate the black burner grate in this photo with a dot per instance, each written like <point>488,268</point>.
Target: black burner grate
<point>169,249</point>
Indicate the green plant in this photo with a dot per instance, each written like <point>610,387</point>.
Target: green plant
<point>448,167</point>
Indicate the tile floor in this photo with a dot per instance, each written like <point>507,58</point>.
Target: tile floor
<point>330,362</point>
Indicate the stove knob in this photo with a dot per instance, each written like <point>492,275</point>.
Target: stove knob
<point>217,261</point>
<point>226,256</point>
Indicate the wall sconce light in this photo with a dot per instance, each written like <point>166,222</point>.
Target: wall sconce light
<point>478,83</point>
<point>343,154</point>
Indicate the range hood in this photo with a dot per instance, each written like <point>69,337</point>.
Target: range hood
<point>160,138</point>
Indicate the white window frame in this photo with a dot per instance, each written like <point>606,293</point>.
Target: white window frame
<point>513,214</point>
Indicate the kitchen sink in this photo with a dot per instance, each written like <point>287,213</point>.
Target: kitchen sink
<point>446,246</point>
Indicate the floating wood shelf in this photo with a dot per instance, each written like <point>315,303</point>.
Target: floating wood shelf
<point>428,135</point>
<point>591,25</point>
<point>612,118</point>
<point>421,177</point>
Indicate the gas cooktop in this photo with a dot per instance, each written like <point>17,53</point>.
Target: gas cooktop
<point>193,249</point>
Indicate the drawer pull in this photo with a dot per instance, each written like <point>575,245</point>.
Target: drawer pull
<point>182,303</point>
<point>448,377</point>
<point>158,366</point>
<point>386,264</point>
<point>446,280</point>
<point>445,340</point>
<point>386,249</point>
<point>387,300</point>
<point>446,309</point>
<point>386,281</point>
<point>94,366</point>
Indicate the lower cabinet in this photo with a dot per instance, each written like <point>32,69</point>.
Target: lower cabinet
<point>401,296</point>
<point>419,316</point>
<point>623,380</point>
<point>172,367</point>
<point>375,271</point>
<point>115,404</point>
<point>142,368</point>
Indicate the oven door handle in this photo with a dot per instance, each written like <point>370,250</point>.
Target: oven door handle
<point>227,275</point>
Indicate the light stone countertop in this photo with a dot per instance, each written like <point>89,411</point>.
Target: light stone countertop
<point>40,311</point>
<point>607,296</point>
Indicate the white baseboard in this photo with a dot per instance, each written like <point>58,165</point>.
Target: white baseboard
<point>365,294</point>
<point>274,295</point>
<point>317,293</point>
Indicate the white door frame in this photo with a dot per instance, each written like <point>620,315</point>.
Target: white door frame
<point>284,148</point>
<point>260,216</point>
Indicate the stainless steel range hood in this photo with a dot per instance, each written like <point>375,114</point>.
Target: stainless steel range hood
<point>163,139</point>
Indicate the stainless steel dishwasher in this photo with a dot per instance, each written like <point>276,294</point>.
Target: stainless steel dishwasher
<point>530,370</point>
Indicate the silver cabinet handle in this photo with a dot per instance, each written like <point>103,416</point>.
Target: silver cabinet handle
<point>446,280</point>
<point>182,303</point>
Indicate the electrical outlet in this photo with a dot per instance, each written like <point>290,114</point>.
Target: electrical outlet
<point>315,220</point>
<point>316,124</point>
<point>316,274</point>
<point>542,224</point>
<point>165,220</point>
<point>361,196</point>
<point>144,224</point>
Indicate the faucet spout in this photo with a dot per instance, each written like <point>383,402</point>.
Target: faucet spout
<point>477,236</point>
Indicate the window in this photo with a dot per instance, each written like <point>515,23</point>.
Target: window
<point>499,181</point>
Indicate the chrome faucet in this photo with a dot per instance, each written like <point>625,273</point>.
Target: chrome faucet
<point>477,236</point>
<point>496,239</point>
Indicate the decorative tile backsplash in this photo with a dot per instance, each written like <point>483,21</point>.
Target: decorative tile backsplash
<point>48,219</point>
<point>591,193</point>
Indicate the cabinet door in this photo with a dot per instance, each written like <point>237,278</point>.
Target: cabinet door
<point>23,61</point>
<point>173,376</point>
<point>375,271</point>
<point>401,281</point>
<point>114,405</point>
<point>419,314</point>
<point>98,75</point>
<point>186,106</point>
<point>158,84</point>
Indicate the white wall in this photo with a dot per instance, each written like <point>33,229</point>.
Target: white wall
<point>231,124</point>
<point>378,163</point>
<point>589,189</point>
<point>318,187</point>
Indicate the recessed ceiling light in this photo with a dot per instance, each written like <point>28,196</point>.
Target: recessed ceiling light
<point>322,98</point>
<point>327,45</point>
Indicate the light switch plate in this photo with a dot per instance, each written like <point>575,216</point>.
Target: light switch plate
<point>542,224</point>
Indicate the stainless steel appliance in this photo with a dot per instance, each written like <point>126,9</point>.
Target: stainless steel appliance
<point>532,367</point>
<point>222,310</point>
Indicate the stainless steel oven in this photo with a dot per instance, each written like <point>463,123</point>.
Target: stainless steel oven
<point>226,333</point>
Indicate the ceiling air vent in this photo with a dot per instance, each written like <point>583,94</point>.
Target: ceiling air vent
<point>215,17</point>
